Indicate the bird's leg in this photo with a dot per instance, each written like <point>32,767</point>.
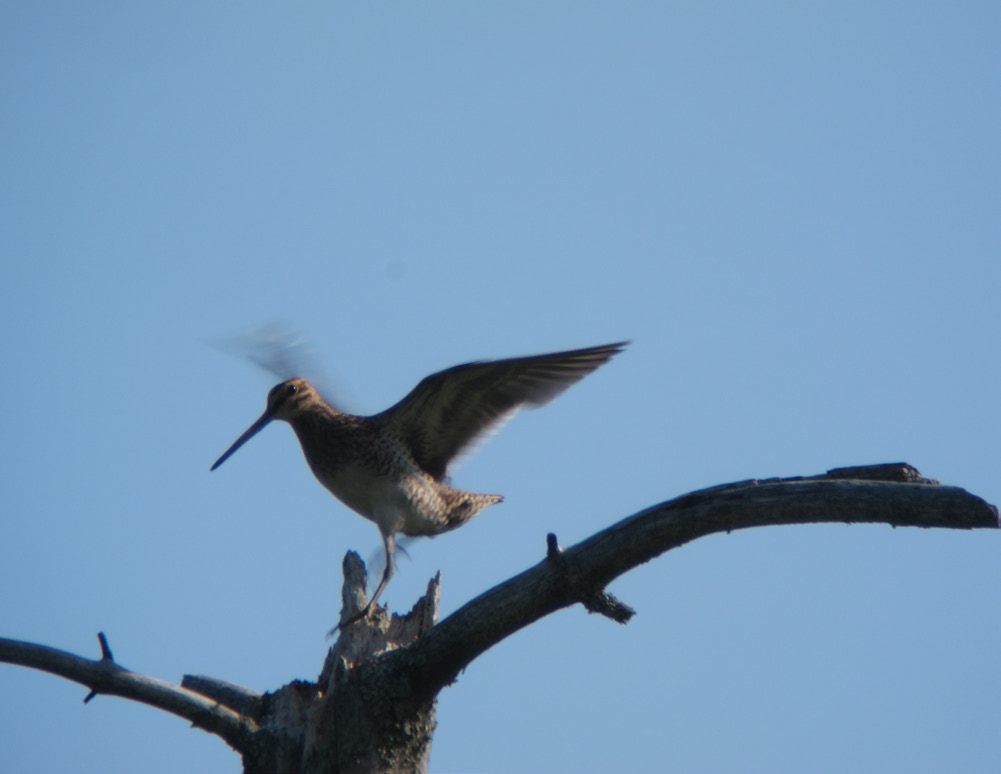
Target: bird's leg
<point>389,545</point>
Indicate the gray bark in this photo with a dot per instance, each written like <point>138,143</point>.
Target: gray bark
<point>372,708</point>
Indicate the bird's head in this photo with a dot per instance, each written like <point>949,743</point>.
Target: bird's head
<point>286,401</point>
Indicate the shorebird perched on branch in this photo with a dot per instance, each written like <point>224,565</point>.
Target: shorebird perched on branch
<point>392,468</point>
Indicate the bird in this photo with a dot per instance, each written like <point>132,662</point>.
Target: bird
<point>392,468</point>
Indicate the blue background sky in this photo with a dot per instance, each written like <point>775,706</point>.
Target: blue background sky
<point>792,209</point>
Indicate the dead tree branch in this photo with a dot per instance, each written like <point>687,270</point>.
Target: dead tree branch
<point>104,676</point>
<point>372,708</point>
<point>893,494</point>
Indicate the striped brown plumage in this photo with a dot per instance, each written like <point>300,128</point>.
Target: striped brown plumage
<point>392,467</point>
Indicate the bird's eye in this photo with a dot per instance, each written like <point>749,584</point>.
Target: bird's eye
<point>291,390</point>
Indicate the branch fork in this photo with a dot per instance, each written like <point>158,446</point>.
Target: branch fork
<point>373,705</point>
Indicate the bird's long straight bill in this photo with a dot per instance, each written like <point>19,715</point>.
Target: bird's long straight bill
<point>251,431</point>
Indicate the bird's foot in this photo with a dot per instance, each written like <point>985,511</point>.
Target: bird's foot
<point>360,615</point>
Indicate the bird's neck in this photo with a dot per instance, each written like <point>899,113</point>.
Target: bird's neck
<point>326,435</point>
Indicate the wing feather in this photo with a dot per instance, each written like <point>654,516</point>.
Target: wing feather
<point>449,410</point>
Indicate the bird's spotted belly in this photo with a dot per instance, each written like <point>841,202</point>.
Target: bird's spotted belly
<point>396,504</point>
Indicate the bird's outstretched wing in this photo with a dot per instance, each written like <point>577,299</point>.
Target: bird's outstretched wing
<point>449,410</point>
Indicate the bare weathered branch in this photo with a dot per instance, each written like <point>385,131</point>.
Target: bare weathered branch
<point>104,676</point>
<point>595,600</point>
<point>894,494</point>
<point>373,707</point>
<point>239,699</point>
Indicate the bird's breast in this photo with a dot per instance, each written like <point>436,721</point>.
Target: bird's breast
<point>373,476</point>
<point>359,488</point>
<point>409,503</point>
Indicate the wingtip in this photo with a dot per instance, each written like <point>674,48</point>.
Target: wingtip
<point>604,351</point>
<point>613,349</point>
<point>609,350</point>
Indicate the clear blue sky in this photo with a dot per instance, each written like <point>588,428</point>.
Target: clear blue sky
<point>791,208</point>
